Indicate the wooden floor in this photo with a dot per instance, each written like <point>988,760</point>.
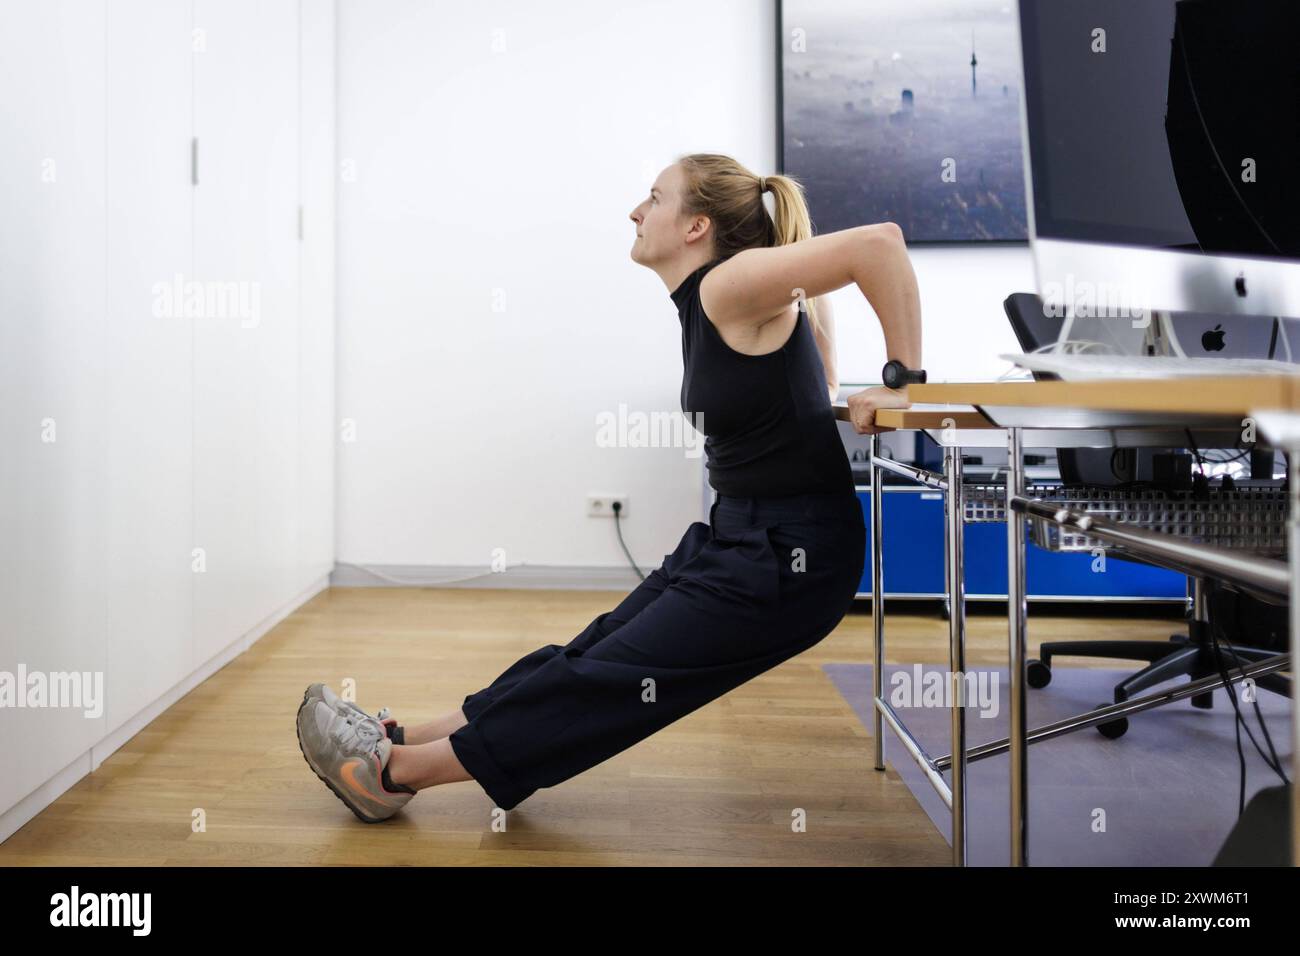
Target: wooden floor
<point>717,787</point>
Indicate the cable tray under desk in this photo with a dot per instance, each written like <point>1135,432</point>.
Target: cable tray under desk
<point>1252,519</point>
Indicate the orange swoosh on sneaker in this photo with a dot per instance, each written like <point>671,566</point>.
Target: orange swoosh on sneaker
<point>348,773</point>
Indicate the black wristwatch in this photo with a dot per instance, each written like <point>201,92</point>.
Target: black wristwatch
<point>895,375</point>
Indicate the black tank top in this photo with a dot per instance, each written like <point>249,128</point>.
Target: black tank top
<point>767,420</point>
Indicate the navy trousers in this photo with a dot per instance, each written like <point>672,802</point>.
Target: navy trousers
<point>764,580</point>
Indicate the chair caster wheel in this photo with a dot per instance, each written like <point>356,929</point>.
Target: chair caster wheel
<point>1113,729</point>
<point>1038,674</point>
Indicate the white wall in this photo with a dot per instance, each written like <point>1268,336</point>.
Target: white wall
<point>469,169</point>
<point>134,431</point>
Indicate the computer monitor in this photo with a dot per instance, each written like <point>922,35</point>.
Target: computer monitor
<point>1161,140</point>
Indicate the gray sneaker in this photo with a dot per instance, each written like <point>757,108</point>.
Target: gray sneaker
<point>350,755</point>
<point>392,728</point>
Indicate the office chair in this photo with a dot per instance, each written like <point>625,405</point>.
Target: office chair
<point>1191,654</point>
<point>1253,630</point>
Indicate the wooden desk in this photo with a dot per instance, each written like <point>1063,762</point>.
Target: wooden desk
<point>1200,397</point>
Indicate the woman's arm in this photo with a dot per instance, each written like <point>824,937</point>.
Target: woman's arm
<point>889,284</point>
<point>754,285</point>
<point>824,333</point>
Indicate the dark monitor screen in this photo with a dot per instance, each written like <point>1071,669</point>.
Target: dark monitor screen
<point>1165,123</point>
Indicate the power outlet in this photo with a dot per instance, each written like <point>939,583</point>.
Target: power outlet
<point>602,506</point>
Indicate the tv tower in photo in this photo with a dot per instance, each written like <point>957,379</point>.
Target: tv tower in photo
<point>972,63</point>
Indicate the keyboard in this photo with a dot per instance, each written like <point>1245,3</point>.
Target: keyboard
<point>1084,366</point>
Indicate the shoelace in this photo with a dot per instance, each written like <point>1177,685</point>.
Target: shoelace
<point>359,735</point>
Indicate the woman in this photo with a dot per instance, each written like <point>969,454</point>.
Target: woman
<point>773,571</point>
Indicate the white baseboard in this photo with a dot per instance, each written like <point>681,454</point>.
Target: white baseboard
<point>560,578</point>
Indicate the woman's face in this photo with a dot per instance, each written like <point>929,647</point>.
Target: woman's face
<point>658,231</point>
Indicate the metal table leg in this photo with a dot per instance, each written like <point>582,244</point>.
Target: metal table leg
<point>1016,613</point>
<point>877,604</point>
<point>953,522</point>
<point>1293,565</point>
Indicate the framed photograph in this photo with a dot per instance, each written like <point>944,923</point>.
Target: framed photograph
<point>904,110</point>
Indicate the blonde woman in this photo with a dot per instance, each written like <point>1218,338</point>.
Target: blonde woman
<point>771,573</point>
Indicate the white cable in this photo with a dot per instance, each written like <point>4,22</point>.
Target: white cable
<point>1167,323</point>
<point>1286,342</point>
<point>1105,349</point>
<point>1064,347</point>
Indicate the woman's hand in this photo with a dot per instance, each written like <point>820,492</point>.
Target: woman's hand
<point>863,405</point>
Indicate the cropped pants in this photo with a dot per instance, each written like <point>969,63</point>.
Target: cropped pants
<point>765,579</point>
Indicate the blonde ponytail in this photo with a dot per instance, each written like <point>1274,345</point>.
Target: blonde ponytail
<point>731,196</point>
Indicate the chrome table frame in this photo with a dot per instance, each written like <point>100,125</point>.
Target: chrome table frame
<point>1023,427</point>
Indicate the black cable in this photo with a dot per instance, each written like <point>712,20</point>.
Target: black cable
<point>1236,725</point>
<point>1228,461</point>
<point>1224,461</point>
<point>1195,451</point>
<point>1263,727</point>
<point>1240,722</point>
<point>618,506</point>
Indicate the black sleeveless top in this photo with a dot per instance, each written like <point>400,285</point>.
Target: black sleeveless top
<point>767,420</point>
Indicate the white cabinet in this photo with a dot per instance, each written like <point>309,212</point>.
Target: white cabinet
<point>245,345</point>
<point>149,346</point>
<point>166,351</point>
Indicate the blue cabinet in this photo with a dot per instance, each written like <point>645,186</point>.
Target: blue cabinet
<point>913,559</point>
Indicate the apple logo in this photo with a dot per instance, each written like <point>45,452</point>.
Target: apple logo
<point>1212,341</point>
